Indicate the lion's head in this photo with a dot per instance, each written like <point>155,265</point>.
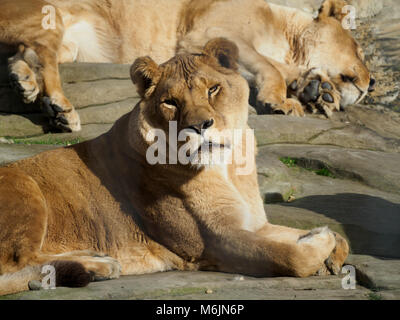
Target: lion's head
<point>203,95</point>
<point>333,48</point>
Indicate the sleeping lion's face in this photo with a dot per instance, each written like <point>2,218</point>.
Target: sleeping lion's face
<point>335,50</point>
<point>197,100</point>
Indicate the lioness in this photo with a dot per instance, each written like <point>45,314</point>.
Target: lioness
<point>287,54</point>
<point>81,207</point>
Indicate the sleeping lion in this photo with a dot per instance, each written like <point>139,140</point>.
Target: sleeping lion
<point>293,59</point>
<point>98,210</point>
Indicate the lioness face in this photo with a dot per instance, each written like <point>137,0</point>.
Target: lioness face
<point>202,96</point>
<point>337,52</point>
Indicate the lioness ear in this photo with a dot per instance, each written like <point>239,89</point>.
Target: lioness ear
<point>226,52</point>
<point>332,8</point>
<point>145,75</point>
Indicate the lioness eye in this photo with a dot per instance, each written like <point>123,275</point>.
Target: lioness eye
<point>347,78</point>
<point>171,102</point>
<point>213,90</point>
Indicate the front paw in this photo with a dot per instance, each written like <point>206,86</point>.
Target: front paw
<point>317,92</point>
<point>339,254</point>
<point>23,81</point>
<point>61,113</point>
<point>104,268</point>
<point>290,107</point>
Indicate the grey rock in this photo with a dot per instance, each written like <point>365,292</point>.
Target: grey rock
<point>370,224</point>
<point>93,123</point>
<point>89,131</point>
<point>99,92</point>
<point>35,285</point>
<point>107,114</point>
<point>275,129</point>
<point>12,125</point>
<point>364,8</point>
<point>379,170</point>
<point>83,72</point>
<point>12,152</point>
<point>194,285</point>
<point>376,272</point>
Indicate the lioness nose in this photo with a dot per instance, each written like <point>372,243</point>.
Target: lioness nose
<point>202,126</point>
<point>371,85</point>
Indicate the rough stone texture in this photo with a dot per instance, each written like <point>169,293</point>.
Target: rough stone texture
<point>378,170</point>
<point>72,72</point>
<point>364,8</point>
<point>10,152</point>
<point>194,285</point>
<point>99,92</point>
<point>377,272</point>
<point>309,130</point>
<point>107,114</point>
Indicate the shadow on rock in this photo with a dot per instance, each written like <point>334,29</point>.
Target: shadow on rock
<point>371,224</point>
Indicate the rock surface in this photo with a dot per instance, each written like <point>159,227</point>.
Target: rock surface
<point>194,285</point>
<point>372,274</point>
<point>344,173</point>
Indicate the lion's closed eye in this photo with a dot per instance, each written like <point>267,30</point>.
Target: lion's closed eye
<point>348,78</point>
<point>170,103</point>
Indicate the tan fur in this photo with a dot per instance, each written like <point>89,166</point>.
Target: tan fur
<point>277,45</point>
<point>103,196</point>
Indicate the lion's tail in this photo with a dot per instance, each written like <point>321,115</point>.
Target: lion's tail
<point>68,274</point>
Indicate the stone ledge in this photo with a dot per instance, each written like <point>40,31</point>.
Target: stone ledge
<point>193,285</point>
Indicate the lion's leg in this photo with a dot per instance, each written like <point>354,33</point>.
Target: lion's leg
<point>60,110</point>
<point>240,251</point>
<point>281,233</point>
<point>99,266</point>
<point>23,220</point>
<point>149,257</point>
<point>23,28</point>
<point>24,73</point>
<point>270,82</point>
<point>23,226</point>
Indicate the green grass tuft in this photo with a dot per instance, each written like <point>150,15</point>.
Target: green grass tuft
<point>289,162</point>
<point>324,172</point>
<point>49,141</point>
<point>374,296</point>
<point>293,163</point>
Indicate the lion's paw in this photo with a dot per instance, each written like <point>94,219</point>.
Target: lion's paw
<point>332,247</point>
<point>317,92</point>
<point>103,268</point>
<point>23,80</point>
<point>338,255</point>
<point>290,107</point>
<point>61,113</point>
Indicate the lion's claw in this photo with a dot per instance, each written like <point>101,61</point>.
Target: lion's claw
<point>66,120</point>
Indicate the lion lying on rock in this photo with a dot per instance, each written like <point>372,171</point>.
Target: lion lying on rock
<point>98,210</point>
<point>293,59</point>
